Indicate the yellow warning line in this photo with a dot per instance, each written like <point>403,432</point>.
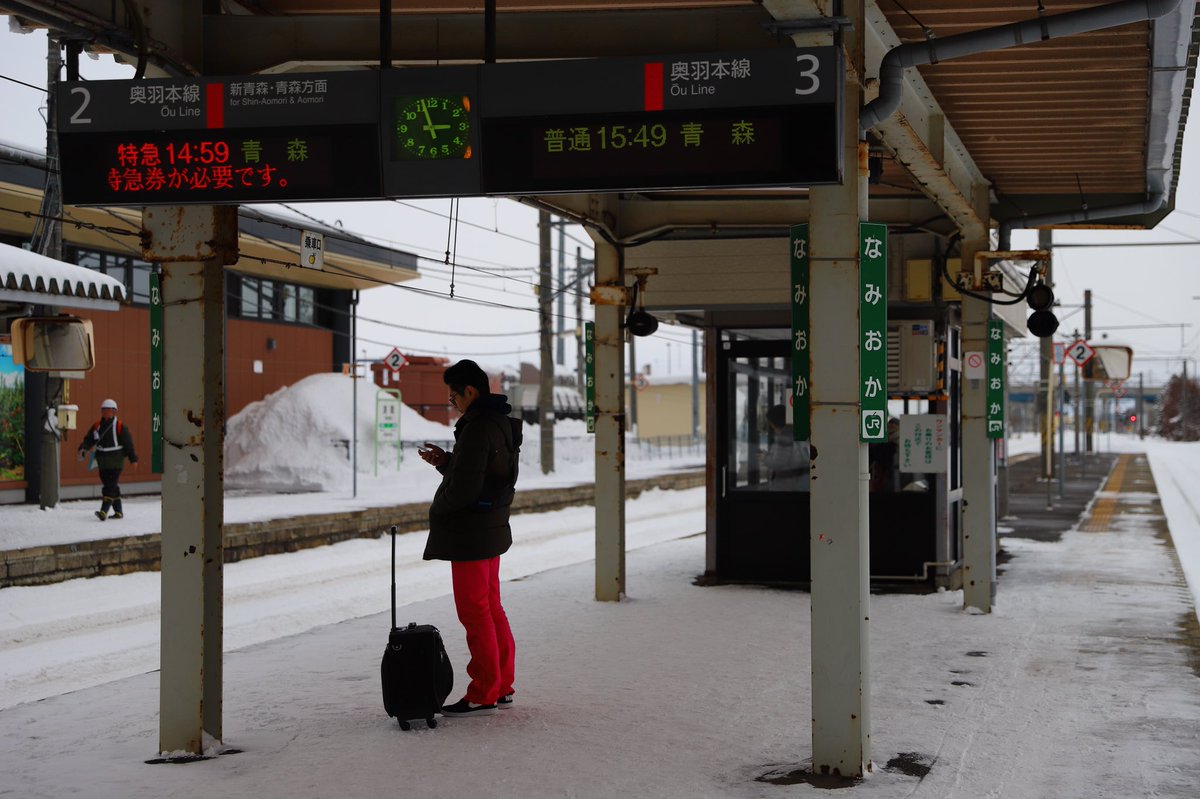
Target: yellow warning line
<point>1100,518</point>
<point>1117,478</point>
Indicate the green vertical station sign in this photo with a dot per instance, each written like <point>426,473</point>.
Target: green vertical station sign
<point>801,363</point>
<point>995,378</point>
<point>872,331</point>
<point>156,372</point>
<point>589,374</point>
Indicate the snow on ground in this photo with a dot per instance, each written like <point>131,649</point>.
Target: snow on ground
<point>284,457</point>
<point>1176,469</point>
<point>61,637</point>
<point>1074,688</point>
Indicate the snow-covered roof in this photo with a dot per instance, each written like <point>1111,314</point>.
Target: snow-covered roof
<point>566,398</point>
<point>672,379</point>
<point>28,277</point>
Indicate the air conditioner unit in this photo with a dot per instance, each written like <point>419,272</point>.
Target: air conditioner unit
<point>912,357</point>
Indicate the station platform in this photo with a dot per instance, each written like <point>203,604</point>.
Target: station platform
<point>1083,682</point>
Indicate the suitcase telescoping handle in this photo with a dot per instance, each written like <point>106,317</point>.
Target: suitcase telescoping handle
<point>393,576</point>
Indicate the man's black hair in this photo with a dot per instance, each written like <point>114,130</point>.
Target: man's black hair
<point>466,373</point>
<point>777,415</point>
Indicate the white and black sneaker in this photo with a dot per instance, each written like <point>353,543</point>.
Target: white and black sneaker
<point>505,702</point>
<point>463,708</point>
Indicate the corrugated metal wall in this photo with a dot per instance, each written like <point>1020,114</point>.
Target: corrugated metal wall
<point>123,373</point>
<point>298,352</point>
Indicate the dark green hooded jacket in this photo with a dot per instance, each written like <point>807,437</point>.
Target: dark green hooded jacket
<point>468,519</point>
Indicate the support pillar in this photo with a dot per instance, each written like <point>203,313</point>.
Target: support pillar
<point>839,539</point>
<point>978,451</point>
<point>610,425</point>
<point>193,243</point>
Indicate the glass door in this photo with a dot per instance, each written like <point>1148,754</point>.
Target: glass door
<point>762,501</point>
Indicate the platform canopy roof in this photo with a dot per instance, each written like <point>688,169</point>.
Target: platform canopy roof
<point>1060,128</point>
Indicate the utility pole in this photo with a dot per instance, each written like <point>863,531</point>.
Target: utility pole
<point>695,386</point>
<point>1141,406</point>
<point>546,384</point>
<point>633,371</point>
<point>1046,351</point>
<point>1062,432</point>
<point>560,346</point>
<point>1089,397</point>
<point>354,394</point>
<point>50,245</point>
<point>583,268</point>
<point>1079,453</point>
<point>1183,404</point>
<point>579,374</point>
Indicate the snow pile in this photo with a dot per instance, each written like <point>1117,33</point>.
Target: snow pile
<point>298,438</point>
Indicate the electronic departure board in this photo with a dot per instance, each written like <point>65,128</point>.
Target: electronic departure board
<point>670,149</point>
<point>262,138</point>
<point>243,165</point>
<point>709,120</point>
<point>761,118</point>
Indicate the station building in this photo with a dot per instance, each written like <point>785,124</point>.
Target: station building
<point>280,326</point>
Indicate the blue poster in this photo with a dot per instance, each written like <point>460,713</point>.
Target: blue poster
<point>12,415</point>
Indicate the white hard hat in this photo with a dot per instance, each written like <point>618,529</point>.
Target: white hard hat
<point>108,403</point>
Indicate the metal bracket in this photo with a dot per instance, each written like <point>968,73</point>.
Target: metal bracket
<point>993,281</point>
<point>809,25</point>
<point>982,278</point>
<point>611,295</point>
<point>622,295</point>
<point>640,274</point>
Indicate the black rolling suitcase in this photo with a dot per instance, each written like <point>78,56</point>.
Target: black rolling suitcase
<point>416,672</point>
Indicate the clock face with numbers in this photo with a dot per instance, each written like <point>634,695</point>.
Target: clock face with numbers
<point>434,127</point>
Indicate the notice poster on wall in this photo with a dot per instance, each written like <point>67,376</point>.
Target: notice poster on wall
<point>12,415</point>
<point>924,443</point>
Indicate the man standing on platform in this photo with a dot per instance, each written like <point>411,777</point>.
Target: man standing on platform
<point>468,526</point>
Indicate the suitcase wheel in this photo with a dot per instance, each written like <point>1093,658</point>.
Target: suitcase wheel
<point>432,722</point>
<point>404,725</point>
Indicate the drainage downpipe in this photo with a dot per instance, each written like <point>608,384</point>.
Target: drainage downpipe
<point>898,59</point>
<point>1158,196</point>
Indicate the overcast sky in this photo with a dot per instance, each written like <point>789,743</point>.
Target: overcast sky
<point>1143,296</point>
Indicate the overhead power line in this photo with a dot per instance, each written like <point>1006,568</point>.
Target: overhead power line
<point>1058,246</point>
<point>23,83</point>
<point>434,262</point>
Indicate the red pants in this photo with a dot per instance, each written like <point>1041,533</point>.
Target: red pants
<point>477,599</point>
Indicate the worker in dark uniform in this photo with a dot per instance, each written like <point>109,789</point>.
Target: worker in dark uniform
<point>114,443</point>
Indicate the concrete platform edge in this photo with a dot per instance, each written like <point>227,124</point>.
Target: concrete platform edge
<point>52,564</point>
